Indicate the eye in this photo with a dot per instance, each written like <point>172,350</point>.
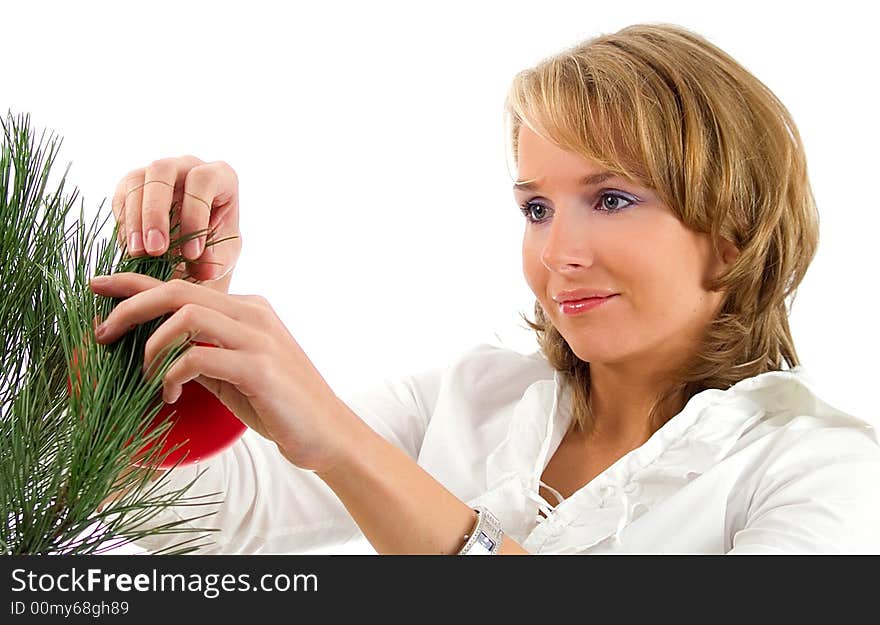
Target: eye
<point>615,198</point>
<point>526,208</point>
<point>609,202</point>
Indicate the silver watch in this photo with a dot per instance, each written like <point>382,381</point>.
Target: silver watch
<point>485,539</point>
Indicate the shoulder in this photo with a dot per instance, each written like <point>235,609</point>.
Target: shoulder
<point>775,429</point>
<point>812,482</point>
<point>808,447</point>
<point>791,409</point>
<point>491,371</point>
<point>487,353</point>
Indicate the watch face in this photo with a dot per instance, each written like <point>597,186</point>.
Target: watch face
<point>486,542</point>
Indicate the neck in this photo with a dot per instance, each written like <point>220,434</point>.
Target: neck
<point>621,399</point>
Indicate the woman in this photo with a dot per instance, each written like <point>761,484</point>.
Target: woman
<point>668,217</point>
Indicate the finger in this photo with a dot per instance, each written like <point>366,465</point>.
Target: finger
<point>209,202</point>
<point>231,366</point>
<point>123,284</point>
<point>198,198</point>
<point>226,242</point>
<point>159,182</point>
<point>134,183</point>
<point>164,185</point>
<point>191,322</point>
<point>147,298</point>
<point>219,257</point>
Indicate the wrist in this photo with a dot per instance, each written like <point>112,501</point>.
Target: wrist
<point>351,439</point>
<point>329,453</point>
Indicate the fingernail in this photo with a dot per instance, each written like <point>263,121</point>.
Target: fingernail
<point>193,248</point>
<point>170,396</point>
<point>155,240</point>
<point>135,243</point>
<point>99,279</point>
<point>100,331</point>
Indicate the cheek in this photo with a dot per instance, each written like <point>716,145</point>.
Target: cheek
<point>533,269</point>
<point>669,285</point>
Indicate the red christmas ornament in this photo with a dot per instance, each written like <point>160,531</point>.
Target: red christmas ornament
<point>201,423</point>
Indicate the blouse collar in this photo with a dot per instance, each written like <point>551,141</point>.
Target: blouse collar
<point>686,446</point>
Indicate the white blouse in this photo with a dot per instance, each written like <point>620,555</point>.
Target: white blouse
<point>762,467</point>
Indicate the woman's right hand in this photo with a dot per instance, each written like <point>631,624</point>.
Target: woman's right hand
<point>206,196</point>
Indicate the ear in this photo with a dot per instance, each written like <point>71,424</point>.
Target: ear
<point>729,253</point>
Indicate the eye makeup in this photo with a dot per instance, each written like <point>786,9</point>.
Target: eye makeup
<point>615,196</point>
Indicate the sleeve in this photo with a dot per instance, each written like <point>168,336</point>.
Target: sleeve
<point>821,495</point>
<point>270,506</point>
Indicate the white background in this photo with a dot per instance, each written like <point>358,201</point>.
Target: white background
<point>377,213</point>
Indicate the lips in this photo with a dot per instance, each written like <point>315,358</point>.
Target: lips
<point>582,294</point>
<point>580,306</point>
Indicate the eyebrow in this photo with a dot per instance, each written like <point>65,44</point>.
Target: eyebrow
<point>590,180</point>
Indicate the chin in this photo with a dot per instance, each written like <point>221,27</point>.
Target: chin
<point>594,350</point>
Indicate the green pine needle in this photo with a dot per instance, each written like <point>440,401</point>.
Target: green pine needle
<point>63,454</point>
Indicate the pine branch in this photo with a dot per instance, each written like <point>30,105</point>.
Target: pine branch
<point>63,454</point>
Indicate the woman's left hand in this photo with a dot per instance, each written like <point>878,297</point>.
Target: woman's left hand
<point>257,369</point>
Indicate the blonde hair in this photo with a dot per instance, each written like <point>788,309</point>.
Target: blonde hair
<point>666,108</point>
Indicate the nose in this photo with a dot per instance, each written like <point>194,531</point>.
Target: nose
<point>567,247</point>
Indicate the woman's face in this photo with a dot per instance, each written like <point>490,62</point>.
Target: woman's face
<point>612,236</point>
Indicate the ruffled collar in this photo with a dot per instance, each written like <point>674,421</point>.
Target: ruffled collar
<point>685,447</point>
